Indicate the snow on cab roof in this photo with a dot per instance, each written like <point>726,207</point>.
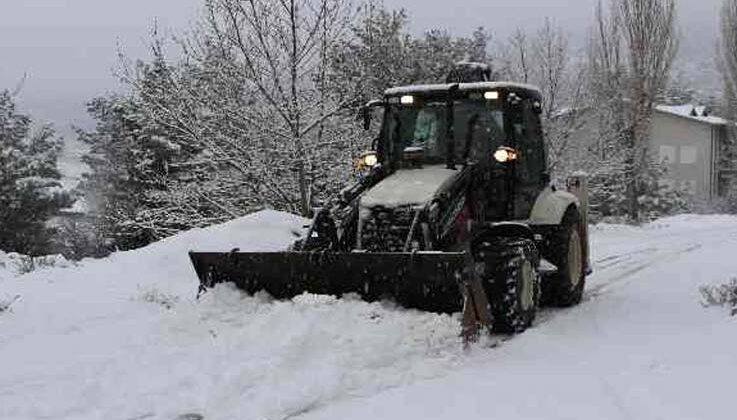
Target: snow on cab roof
<point>402,90</point>
<point>693,112</point>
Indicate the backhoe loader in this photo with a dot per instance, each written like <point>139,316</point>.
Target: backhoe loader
<point>454,212</point>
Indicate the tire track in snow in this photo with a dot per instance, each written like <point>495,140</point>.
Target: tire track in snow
<point>601,288</point>
<point>616,270</point>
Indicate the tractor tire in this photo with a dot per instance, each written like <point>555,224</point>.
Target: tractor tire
<point>508,268</point>
<point>566,251</point>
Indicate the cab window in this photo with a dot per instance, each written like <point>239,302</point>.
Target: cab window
<point>479,129</point>
<point>528,135</point>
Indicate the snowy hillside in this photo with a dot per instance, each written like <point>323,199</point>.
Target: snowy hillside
<point>124,338</point>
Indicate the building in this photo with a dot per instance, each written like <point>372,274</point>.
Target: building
<point>689,141</point>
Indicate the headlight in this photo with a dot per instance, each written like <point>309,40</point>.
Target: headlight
<point>407,100</point>
<point>368,160</point>
<point>505,154</point>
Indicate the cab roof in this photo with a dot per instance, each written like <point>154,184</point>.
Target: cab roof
<point>530,90</point>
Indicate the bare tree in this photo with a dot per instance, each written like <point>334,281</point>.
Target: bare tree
<point>631,49</point>
<point>514,56</point>
<point>545,59</point>
<point>727,64</point>
<point>281,48</point>
<point>649,34</point>
<point>606,83</point>
<point>251,92</point>
<point>727,52</point>
<point>558,75</point>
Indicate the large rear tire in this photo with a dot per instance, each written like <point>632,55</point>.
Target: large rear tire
<point>566,251</point>
<point>508,268</point>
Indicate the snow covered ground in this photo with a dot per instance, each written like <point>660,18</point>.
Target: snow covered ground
<point>124,338</point>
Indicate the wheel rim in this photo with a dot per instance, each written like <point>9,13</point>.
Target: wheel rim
<point>527,294</point>
<point>575,260</point>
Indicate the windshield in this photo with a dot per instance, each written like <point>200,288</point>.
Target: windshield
<point>478,129</point>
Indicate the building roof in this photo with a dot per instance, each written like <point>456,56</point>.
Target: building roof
<point>691,112</point>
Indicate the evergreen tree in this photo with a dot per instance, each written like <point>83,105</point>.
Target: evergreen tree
<point>30,191</point>
<point>381,53</point>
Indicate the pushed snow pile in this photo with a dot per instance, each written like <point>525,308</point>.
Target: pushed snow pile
<point>4,265</point>
<point>10,264</point>
<point>124,338</point>
<point>18,264</point>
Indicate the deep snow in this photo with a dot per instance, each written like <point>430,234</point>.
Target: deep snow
<point>124,338</point>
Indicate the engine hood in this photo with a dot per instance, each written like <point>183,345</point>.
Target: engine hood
<point>409,187</point>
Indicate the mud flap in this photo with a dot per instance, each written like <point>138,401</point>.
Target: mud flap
<point>476,310</point>
<point>428,281</point>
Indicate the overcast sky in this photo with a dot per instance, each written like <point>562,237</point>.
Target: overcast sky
<point>67,48</point>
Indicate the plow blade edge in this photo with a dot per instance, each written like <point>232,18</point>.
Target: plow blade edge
<point>427,281</point>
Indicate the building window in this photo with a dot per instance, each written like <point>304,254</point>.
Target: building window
<point>667,154</point>
<point>689,154</point>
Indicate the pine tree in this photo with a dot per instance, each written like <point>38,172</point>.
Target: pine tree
<point>381,53</point>
<point>30,191</point>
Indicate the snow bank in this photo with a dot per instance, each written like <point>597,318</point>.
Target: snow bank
<point>125,338</point>
<point>9,262</point>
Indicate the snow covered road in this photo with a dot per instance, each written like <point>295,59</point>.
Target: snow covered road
<point>639,347</point>
<point>123,338</point>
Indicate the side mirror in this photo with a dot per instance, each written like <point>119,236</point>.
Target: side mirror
<point>375,143</point>
<point>366,116</point>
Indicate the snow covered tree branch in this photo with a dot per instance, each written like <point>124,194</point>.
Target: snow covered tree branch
<point>546,60</point>
<point>30,191</point>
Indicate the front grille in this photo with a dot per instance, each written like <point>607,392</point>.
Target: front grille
<point>386,229</point>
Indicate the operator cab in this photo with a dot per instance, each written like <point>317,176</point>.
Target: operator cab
<point>457,122</point>
<point>494,126</point>
<point>461,123</point>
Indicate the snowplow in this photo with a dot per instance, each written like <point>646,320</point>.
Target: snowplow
<point>454,212</point>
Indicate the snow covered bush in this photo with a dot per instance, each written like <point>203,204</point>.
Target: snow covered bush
<point>721,295</point>
<point>25,264</point>
<point>656,199</point>
<point>76,239</point>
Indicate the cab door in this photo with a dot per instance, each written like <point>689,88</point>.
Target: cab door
<point>529,171</point>
<point>479,131</point>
